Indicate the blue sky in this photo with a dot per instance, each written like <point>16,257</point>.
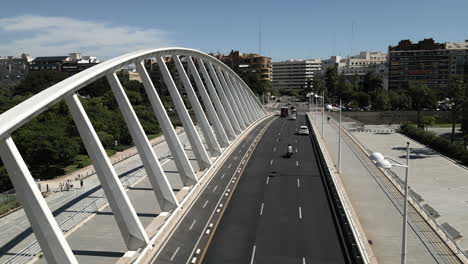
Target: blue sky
<point>290,29</point>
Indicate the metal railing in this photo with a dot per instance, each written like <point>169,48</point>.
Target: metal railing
<point>33,249</point>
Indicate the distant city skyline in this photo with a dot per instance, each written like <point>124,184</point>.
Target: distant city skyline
<point>292,30</point>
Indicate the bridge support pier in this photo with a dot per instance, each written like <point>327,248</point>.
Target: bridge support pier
<point>226,104</point>
<point>235,107</point>
<point>242,101</point>
<point>210,139</point>
<point>165,197</point>
<point>241,105</point>
<point>211,112</point>
<point>47,231</point>
<point>187,175</point>
<point>132,230</point>
<point>228,124</point>
<point>192,134</point>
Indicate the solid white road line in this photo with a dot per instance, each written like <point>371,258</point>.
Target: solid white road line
<point>191,226</point>
<point>216,187</point>
<point>253,255</point>
<point>297,163</point>
<point>300,212</point>
<point>268,179</point>
<point>261,210</point>
<point>205,204</point>
<point>298,183</point>
<point>271,162</point>
<point>175,253</point>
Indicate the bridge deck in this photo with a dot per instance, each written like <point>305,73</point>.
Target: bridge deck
<point>280,212</point>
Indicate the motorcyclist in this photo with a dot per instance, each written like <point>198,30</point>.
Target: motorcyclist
<point>290,150</point>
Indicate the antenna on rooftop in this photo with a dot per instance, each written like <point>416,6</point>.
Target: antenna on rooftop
<point>259,35</point>
<point>352,37</point>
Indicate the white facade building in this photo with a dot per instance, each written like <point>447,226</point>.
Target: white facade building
<point>333,61</point>
<point>365,62</point>
<point>293,74</point>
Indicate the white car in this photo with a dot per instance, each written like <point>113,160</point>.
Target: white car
<point>303,130</point>
<point>292,117</point>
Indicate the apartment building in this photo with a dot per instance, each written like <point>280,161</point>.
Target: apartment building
<point>364,62</point>
<point>458,53</point>
<point>254,63</point>
<point>14,69</point>
<point>73,63</point>
<point>294,74</point>
<point>423,63</point>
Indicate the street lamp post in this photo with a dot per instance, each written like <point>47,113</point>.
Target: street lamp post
<point>383,163</point>
<point>339,143</point>
<point>323,110</point>
<point>315,112</point>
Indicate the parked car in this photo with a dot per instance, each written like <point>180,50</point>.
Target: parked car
<point>303,130</point>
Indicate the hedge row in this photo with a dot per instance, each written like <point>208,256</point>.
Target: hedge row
<point>440,144</point>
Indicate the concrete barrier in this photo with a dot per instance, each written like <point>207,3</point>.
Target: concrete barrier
<point>358,231</point>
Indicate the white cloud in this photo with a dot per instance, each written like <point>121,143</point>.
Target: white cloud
<point>45,35</point>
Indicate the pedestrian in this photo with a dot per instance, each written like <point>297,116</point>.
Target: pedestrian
<point>81,183</point>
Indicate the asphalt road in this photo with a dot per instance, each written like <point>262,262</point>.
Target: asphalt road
<point>279,211</point>
<point>194,229</point>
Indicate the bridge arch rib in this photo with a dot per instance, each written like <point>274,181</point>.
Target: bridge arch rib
<point>231,107</point>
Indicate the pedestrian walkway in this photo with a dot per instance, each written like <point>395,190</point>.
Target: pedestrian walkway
<point>378,205</point>
<point>73,206</point>
<point>440,183</point>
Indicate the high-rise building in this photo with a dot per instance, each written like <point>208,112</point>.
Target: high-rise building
<point>14,69</point>
<point>333,61</point>
<point>254,63</point>
<point>294,74</point>
<point>458,52</point>
<point>365,62</point>
<point>422,63</point>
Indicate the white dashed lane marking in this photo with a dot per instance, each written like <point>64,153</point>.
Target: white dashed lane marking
<point>191,226</point>
<point>175,253</point>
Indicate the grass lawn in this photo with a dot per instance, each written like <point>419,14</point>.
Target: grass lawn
<point>445,125</point>
<point>7,206</point>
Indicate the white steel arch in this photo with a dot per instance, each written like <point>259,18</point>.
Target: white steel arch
<point>224,121</point>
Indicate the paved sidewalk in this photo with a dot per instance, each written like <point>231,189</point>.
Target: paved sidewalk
<point>441,183</point>
<point>378,206</point>
<point>69,207</point>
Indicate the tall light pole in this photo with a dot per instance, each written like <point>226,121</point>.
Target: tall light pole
<point>323,110</point>
<point>315,112</point>
<point>339,143</point>
<point>383,163</point>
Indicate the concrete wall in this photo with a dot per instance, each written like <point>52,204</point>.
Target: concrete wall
<point>377,118</point>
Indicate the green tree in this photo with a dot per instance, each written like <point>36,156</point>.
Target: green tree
<point>331,78</point>
<point>381,102</point>
<point>37,81</point>
<point>457,98</point>
<point>421,97</point>
<point>428,121</point>
<point>318,85</point>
